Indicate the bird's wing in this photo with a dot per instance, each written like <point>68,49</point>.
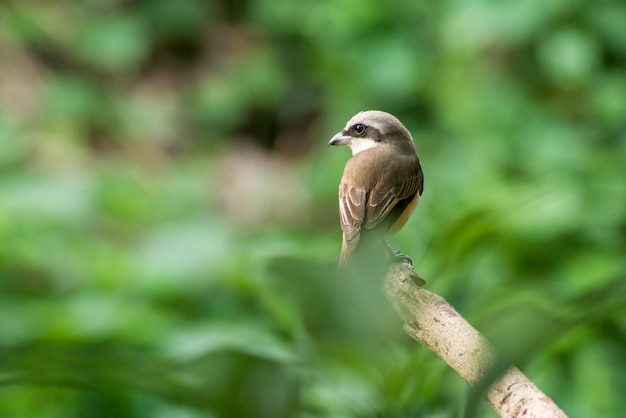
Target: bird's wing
<point>358,209</point>
<point>389,203</point>
<point>352,208</point>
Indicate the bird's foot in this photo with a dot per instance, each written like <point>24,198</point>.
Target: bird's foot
<point>402,257</point>
<point>404,262</point>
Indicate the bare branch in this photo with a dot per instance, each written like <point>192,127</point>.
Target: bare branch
<point>432,321</point>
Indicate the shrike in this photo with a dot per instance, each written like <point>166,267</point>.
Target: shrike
<point>382,182</point>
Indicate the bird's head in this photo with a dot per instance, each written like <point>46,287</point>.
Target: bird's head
<point>371,129</point>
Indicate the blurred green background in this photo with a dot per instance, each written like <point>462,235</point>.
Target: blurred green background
<point>168,215</point>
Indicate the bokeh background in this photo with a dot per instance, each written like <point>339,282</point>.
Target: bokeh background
<point>168,215</point>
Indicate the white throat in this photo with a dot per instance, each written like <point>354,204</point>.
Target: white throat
<point>362,144</point>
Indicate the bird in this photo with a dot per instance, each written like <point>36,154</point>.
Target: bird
<point>381,184</point>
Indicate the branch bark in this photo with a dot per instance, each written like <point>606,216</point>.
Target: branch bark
<point>433,322</point>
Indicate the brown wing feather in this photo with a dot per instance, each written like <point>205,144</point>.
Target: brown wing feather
<point>352,206</point>
<point>385,206</point>
<point>382,206</point>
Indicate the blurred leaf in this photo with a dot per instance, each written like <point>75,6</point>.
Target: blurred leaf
<point>569,56</point>
<point>191,250</point>
<point>175,20</point>
<point>191,344</point>
<point>113,44</point>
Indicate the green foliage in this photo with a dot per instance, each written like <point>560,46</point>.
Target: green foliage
<point>168,226</point>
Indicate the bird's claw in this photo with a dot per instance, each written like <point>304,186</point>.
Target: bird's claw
<point>402,257</point>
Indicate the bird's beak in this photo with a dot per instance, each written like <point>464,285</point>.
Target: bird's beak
<point>340,139</point>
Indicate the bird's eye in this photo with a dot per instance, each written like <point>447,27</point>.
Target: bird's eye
<point>359,128</point>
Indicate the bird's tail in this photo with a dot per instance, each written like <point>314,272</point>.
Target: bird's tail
<point>344,257</point>
<point>363,247</point>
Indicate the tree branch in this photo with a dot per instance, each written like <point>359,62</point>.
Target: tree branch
<point>432,321</point>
